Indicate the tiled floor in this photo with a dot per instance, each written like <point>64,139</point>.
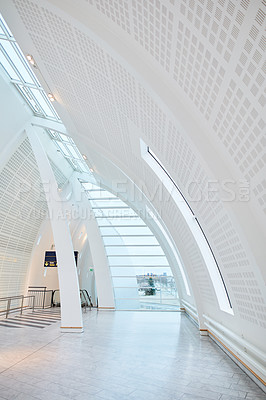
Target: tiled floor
<point>38,319</point>
<point>120,356</point>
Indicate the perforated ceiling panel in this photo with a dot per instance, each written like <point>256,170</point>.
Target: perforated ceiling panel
<point>212,53</point>
<point>22,209</point>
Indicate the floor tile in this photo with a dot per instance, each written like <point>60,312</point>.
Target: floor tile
<point>120,356</point>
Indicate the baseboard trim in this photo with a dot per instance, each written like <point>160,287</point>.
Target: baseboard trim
<point>255,377</point>
<point>71,329</point>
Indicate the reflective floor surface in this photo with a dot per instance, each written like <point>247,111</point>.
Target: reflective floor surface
<point>120,356</point>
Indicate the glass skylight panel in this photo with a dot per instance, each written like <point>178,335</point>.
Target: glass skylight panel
<point>63,137</point>
<point>27,94</point>
<point>67,145</point>
<point>4,26</point>
<point>52,133</point>
<point>75,164</point>
<point>72,151</point>
<point>11,52</point>
<point>82,165</point>
<point>40,97</point>
<point>7,66</point>
<point>2,32</point>
<point>63,149</point>
<point>20,73</point>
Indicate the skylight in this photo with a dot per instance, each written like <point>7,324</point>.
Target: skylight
<point>67,147</point>
<point>17,68</point>
<point>20,74</point>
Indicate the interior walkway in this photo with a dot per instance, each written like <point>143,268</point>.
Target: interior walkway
<point>120,356</point>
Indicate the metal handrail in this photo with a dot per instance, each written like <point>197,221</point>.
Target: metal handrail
<point>85,298</point>
<point>41,293</point>
<point>89,297</point>
<point>84,301</point>
<point>10,298</point>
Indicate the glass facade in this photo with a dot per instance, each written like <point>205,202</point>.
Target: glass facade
<point>141,274</point>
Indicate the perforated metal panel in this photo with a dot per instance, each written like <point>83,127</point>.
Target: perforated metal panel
<point>22,209</point>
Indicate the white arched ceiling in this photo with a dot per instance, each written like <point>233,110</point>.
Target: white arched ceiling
<point>188,78</point>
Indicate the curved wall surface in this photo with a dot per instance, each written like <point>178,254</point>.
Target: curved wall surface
<point>188,78</point>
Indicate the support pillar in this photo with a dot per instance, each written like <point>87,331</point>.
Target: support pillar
<point>71,315</point>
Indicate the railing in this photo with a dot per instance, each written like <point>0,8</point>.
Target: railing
<point>40,298</point>
<point>56,298</point>
<point>43,297</point>
<point>22,304</point>
<point>85,299</point>
<point>88,297</point>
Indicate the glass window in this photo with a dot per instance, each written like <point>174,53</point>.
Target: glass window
<point>101,194</point>
<point>82,165</point>
<point>63,149</point>
<point>20,73</point>
<point>138,260</point>
<point>126,231</point>
<point>42,102</point>
<point>134,250</point>
<point>136,221</point>
<point>130,240</point>
<point>134,271</point>
<point>4,24</point>
<point>114,212</point>
<point>7,66</point>
<point>126,292</point>
<point>140,271</point>
<point>113,203</point>
<point>125,282</point>
<point>65,138</point>
<point>10,50</point>
<point>26,93</point>
<point>72,151</point>
<point>2,31</point>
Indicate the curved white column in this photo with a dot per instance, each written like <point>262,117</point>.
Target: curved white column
<point>71,316</point>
